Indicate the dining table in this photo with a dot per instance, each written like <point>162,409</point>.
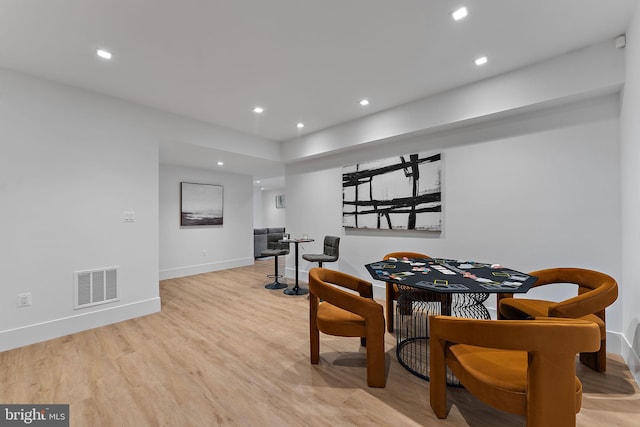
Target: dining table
<point>440,286</point>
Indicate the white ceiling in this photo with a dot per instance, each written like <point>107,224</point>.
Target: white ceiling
<point>302,60</point>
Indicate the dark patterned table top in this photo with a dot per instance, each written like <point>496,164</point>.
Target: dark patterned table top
<point>451,276</point>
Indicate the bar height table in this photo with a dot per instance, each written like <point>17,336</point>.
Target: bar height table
<point>296,290</point>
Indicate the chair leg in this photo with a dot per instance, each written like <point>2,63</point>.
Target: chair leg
<point>389,304</point>
<point>552,402</point>
<point>437,377</point>
<point>596,360</point>
<point>314,332</point>
<point>376,375</point>
<point>275,284</point>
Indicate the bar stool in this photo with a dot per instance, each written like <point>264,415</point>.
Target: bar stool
<point>275,249</point>
<point>330,253</point>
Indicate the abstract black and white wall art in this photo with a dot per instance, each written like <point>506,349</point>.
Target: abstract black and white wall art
<point>201,204</point>
<point>398,193</point>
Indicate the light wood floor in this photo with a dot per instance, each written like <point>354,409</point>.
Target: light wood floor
<point>225,351</point>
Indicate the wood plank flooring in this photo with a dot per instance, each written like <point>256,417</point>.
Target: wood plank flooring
<point>224,351</point>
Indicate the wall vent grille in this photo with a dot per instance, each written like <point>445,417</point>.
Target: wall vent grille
<point>95,287</point>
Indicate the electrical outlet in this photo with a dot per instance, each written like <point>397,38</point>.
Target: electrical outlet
<point>24,300</point>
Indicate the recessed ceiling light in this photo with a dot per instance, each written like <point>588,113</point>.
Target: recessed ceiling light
<point>300,125</point>
<point>103,53</point>
<point>220,163</point>
<point>258,182</point>
<point>258,110</point>
<point>481,61</point>
<point>460,13</point>
<point>261,188</point>
<point>364,102</point>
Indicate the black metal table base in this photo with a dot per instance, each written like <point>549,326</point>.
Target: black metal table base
<point>413,309</point>
<point>296,290</point>
<point>276,285</point>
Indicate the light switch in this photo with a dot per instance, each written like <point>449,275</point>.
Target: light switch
<point>129,216</point>
<point>24,300</point>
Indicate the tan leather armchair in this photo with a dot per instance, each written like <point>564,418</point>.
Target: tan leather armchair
<point>596,291</point>
<point>393,293</point>
<point>335,311</point>
<point>524,367</point>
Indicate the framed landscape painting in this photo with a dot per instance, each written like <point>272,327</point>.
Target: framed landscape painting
<point>200,204</point>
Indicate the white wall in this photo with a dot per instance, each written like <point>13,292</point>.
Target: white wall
<point>544,196</point>
<point>70,163</point>
<point>272,216</point>
<point>265,213</point>
<point>630,137</point>
<point>257,208</point>
<point>186,251</point>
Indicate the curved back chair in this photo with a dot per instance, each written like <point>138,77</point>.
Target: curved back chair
<point>275,248</point>
<point>393,293</point>
<point>524,367</point>
<point>596,291</point>
<point>330,252</point>
<point>335,311</point>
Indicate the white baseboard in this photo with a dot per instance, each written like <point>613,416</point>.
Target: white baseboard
<point>31,334</point>
<point>618,343</point>
<point>172,273</point>
<point>380,291</point>
<point>290,274</point>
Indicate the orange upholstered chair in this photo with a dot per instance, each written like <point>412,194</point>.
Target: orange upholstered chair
<point>524,367</point>
<point>335,311</point>
<point>596,291</point>
<point>393,293</point>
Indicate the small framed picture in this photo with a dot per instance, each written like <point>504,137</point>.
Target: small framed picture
<point>280,201</point>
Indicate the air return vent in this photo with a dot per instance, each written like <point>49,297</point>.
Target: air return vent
<point>95,287</point>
